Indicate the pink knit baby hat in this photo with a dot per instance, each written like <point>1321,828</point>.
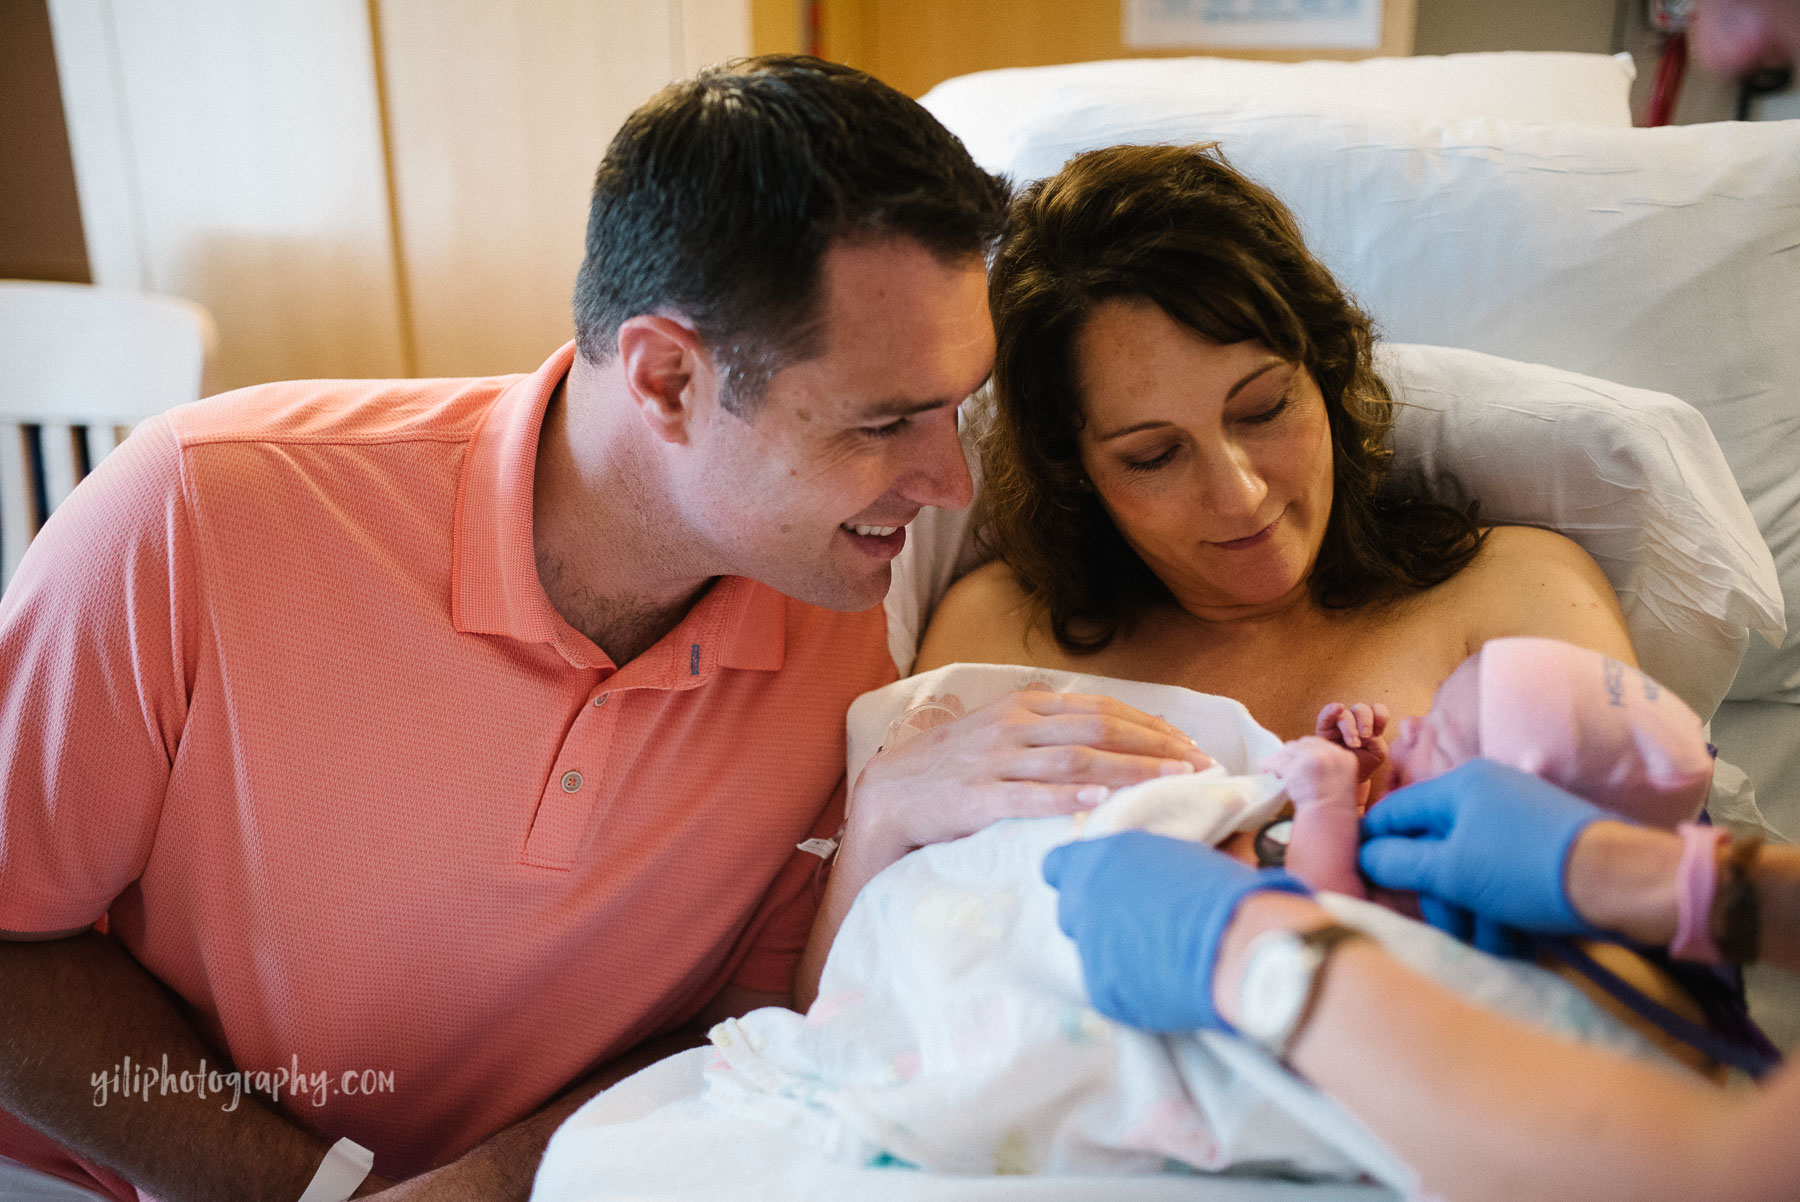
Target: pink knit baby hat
<point>1594,726</point>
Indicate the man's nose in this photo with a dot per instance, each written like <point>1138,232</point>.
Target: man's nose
<point>942,477</point>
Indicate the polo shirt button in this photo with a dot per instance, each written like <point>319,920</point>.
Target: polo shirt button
<point>601,699</point>
<point>571,782</point>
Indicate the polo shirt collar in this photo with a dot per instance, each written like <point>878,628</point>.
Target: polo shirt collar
<point>494,586</point>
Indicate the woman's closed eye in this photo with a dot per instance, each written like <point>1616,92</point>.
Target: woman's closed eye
<point>1263,417</point>
<point>1152,463</point>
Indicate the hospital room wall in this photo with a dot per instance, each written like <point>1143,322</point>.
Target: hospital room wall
<point>359,187</point>
<point>40,217</point>
<point>1591,26</point>
<point>914,44</point>
<point>388,187</point>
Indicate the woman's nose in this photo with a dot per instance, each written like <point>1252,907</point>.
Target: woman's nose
<point>1231,485</point>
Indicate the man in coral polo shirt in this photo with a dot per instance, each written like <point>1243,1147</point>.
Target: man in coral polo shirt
<point>435,752</point>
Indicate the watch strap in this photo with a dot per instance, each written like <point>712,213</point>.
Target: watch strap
<point>1325,941</point>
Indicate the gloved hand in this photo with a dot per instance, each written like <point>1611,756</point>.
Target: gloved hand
<point>1484,933</point>
<point>1147,914</point>
<point>1485,839</point>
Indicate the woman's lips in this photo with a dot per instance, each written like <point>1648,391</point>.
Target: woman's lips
<point>1253,540</point>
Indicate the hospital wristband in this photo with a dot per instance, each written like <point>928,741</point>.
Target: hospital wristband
<point>1696,884</point>
<point>345,1167</point>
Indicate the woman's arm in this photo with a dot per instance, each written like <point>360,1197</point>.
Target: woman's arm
<point>1536,582</point>
<point>1029,754</point>
<point>1621,877</point>
<point>1484,1107</point>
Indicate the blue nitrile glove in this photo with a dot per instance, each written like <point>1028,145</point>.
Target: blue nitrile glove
<point>1485,839</point>
<point>1147,913</point>
<point>1484,933</point>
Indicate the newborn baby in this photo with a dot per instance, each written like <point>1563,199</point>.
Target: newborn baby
<point>952,1031</point>
<point>1590,724</point>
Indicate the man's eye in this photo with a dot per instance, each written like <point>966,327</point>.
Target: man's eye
<point>889,430</point>
<point>1150,465</point>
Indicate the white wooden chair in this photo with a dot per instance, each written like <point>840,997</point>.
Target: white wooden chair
<point>79,366</point>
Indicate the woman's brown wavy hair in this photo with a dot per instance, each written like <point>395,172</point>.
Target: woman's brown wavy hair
<point>1178,226</point>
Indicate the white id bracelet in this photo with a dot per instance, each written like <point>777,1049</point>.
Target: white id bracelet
<point>344,1168</point>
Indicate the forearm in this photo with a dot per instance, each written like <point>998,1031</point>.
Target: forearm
<point>71,1009</point>
<point>1621,877</point>
<point>1482,1106</point>
<point>1322,847</point>
<point>859,858</point>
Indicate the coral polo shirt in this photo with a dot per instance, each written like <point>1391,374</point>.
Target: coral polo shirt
<point>281,696</point>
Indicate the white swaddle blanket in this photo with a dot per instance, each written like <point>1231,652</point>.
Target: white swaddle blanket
<point>952,1031</point>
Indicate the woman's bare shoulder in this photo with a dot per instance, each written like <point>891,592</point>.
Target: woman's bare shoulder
<point>1527,581</point>
<point>986,617</point>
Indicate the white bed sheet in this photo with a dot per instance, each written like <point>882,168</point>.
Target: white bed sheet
<point>607,1151</point>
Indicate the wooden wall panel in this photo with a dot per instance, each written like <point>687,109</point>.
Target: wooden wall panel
<point>40,230</point>
<point>913,44</point>
<point>231,154</point>
<point>498,115</point>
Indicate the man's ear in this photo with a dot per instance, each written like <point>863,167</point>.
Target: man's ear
<point>667,372</point>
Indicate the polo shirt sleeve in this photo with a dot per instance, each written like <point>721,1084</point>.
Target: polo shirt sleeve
<point>98,635</point>
<point>782,923</point>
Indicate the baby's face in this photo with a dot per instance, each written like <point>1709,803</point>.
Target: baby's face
<point>1447,736</point>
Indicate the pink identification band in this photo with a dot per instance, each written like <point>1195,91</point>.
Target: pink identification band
<point>1696,880</point>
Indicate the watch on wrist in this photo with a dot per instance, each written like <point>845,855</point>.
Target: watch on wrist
<point>1283,974</point>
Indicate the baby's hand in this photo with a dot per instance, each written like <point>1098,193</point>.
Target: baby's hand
<point>1320,778</point>
<point>1316,773</point>
<point>1358,728</point>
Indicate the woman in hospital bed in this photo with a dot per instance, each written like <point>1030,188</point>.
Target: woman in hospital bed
<point>1186,476</point>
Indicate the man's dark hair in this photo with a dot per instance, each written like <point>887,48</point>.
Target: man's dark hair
<point>719,197</point>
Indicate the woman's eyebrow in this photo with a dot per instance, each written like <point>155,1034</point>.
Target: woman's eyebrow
<point>1267,367</point>
<point>1132,429</point>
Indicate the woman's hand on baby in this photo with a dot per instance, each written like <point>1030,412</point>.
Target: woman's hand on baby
<point>1031,753</point>
<point>1484,839</point>
<point>1360,729</point>
<point>1147,914</point>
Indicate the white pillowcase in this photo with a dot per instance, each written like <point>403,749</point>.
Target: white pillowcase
<point>1633,476</point>
<point>1668,259</point>
<point>986,108</point>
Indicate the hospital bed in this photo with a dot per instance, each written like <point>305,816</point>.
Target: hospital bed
<point>1591,327</point>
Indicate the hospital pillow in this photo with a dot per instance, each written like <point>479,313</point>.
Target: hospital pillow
<point>1668,259</point>
<point>984,109</point>
<point>1634,476</point>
